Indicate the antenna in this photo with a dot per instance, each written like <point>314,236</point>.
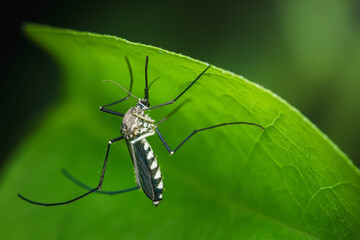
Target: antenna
<point>130,94</point>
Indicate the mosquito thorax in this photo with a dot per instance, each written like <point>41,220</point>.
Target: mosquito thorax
<point>135,123</point>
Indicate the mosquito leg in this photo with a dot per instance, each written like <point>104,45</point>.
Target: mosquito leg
<point>104,108</point>
<point>91,191</point>
<point>172,101</point>
<point>77,182</point>
<point>196,131</point>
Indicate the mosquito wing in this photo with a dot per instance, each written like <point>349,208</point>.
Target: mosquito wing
<point>142,171</point>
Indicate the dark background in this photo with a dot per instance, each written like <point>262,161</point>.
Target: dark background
<point>307,52</point>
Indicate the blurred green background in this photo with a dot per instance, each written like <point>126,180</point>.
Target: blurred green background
<point>308,52</point>
<point>305,51</point>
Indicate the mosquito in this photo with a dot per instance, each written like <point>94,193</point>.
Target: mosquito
<point>136,127</point>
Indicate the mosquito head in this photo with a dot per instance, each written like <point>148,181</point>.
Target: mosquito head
<point>143,103</point>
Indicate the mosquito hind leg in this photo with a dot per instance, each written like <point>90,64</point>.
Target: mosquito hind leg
<point>199,130</point>
<point>90,191</point>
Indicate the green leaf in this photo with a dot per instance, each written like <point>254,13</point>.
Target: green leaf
<point>236,182</point>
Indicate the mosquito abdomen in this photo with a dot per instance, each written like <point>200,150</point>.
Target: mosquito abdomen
<point>154,169</point>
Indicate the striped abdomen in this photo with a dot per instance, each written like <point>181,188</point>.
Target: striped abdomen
<point>149,174</point>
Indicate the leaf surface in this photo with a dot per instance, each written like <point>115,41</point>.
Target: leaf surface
<point>236,182</point>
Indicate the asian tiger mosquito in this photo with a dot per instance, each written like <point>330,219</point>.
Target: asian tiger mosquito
<point>136,126</point>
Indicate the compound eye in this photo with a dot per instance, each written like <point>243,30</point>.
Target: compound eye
<point>146,103</point>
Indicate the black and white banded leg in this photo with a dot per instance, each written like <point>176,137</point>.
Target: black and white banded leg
<point>91,191</point>
<point>199,130</point>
